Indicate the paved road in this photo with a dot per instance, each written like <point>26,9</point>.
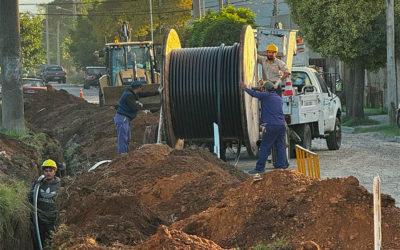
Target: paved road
<point>90,95</point>
<point>361,155</point>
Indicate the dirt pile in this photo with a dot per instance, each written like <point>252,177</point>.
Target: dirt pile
<point>174,184</point>
<point>335,213</point>
<point>166,238</point>
<point>68,118</point>
<point>17,160</point>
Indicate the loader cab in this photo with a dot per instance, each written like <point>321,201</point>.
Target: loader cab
<point>122,58</point>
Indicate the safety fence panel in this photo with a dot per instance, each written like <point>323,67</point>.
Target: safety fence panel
<point>307,162</point>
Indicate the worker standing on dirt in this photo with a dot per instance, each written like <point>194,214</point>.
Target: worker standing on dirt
<point>273,121</point>
<point>273,69</point>
<point>47,213</point>
<point>127,110</point>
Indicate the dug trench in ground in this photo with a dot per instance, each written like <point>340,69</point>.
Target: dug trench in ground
<point>86,131</point>
<point>126,201</point>
<point>335,213</point>
<point>19,161</point>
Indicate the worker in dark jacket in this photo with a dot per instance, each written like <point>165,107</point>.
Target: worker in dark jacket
<point>127,110</point>
<point>47,212</point>
<point>275,127</point>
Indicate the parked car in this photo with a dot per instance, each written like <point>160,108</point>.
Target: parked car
<point>33,86</point>
<point>52,73</point>
<point>92,75</point>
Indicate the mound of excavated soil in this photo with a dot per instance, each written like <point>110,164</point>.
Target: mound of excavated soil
<point>175,239</point>
<point>64,116</point>
<point>173,184</point>
<point>335,213</point>
<point>17,160</point>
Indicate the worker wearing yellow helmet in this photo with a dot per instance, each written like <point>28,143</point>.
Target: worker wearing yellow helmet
<point>44,193</point>
<point>273,69</point>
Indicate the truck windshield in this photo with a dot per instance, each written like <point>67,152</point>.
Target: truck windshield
<point>143,60</point>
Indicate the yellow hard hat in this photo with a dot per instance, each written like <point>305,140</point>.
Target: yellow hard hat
<point>49,164</point>
<point>272,47</point>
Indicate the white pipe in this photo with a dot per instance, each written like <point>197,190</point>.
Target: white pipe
<point>98,164</point>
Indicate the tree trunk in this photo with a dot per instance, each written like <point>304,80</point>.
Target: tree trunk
<point>355,92</point>
<point>349,91</point>
<point>10,62</point>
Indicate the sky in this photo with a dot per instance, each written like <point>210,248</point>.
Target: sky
<point>30,8</point>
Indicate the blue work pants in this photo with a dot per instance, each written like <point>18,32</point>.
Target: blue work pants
<point>123,133</point>
<point>272,135</point>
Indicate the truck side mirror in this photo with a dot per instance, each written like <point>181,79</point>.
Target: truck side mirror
<point>308,89</point>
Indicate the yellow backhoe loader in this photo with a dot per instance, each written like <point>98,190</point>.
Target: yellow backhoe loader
<point>125,62</point>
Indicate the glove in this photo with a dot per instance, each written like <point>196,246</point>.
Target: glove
<point>139,103</point>
<point>160,89</point>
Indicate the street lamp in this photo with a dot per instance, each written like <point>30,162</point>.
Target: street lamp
<point>151,22</point>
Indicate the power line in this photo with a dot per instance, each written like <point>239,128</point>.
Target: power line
<point>109,14</point>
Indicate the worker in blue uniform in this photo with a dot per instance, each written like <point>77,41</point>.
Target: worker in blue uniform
<point>275,127</point>
<point>128,107</point>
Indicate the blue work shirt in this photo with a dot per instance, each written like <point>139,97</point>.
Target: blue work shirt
<point>271,107</point>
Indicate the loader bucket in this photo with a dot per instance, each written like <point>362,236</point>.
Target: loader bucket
<point>112,95</point>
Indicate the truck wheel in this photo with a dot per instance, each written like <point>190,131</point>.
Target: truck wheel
<point>334,139</point>
<point>305,135</point>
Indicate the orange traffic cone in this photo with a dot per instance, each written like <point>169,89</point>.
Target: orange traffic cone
<point>288,87</point>
<point>81,94</point>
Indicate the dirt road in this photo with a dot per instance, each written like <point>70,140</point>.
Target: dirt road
<point>361,155</point>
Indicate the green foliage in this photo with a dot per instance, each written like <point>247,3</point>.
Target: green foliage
<point>13,133</point>
<point>353,31</point>
<point>278,244</point>
<point>353,122</point>
<point>389,130</point>
<point>43,147</point>
<point>32,53</point>
<point>82,45</point>
<point>217,28</point>
<point>14,210</point>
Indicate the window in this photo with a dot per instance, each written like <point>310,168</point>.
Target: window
<point>322,83</point>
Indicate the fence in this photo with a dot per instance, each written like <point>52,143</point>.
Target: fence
<point>307,162</point>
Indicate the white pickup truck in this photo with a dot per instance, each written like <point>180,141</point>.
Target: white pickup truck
<point>312,112</point>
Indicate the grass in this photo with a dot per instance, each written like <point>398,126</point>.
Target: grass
<point>371,111</point>
<point>375,111</point>
<point>358,122</point>
<point>14,210</point>
<point>278,244</point>
<point>390,130</point>
<point>13,133</point>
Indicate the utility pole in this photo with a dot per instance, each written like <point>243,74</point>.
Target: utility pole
<point>58,43</point>
<point>151,22</point>
<point>47,35</point>
<point>275,8</point>
<point>390,64</point>
<point>220,4</point>
<point>196,9</point>
<point>10,62</point>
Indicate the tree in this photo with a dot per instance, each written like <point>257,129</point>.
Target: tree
<point>216,28</point>
<point>31,38</point>
<point>10,63</point>
<point>349,30</point>
<point>81,45</point>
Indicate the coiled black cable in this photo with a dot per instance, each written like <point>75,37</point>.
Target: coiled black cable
<point>204,88</point>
